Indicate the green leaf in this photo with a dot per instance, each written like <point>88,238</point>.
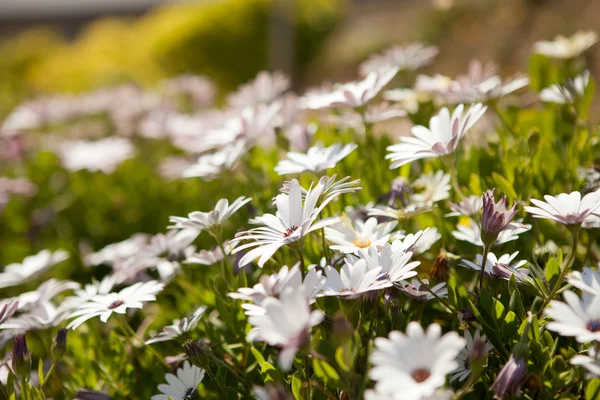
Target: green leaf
<point>504,186</point>
<point>296,387</point>
<point>498,311</point>
<point>324,370</point>
<point>552,270</point>
<point>510,326</point>
<point>342,358</point>
<point>264,365</point>
<point>592,390</point>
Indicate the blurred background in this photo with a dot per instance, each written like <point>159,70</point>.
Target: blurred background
<point>69,46</point>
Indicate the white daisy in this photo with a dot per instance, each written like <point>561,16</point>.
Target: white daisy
<point>568,209</point>
<point>179,327</point>
<point>183,386</point>
<point>577,317</point>
<point>348,237</point>
<point>501,267</point>
<point>372,115</point>
<point>102,155</point>
<point>7,309</point>
<point>274,285</point>
<point>96,287</point>
<point>210,257</point>
<point>285,323</point>
<point>353,280</point>
<point>418,242</point>
<point>31,267</point>
<point>570,93</point>
<point>265,88</point>
<point>408,99</point>
<point>408,57</point>
<point>464,357</point>
<point>440,139</point>
<point>395,265</point>
<point>472,233</point>
<point>316,159</point>
<point>430,188</point>
<point>414,364</point>
<point>45,292</point>
<point>351,94</point>
<point>210,165</point>
<point>104,305</point>
<point>419,292</point>
<point>592,365</point>
<point>117,253</point>
<point>588,281</point>
<point>211,220</point>
<point>293,220</point>
<point>563,47</point>
<point>468,206</point>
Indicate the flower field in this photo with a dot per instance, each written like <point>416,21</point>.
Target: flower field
<point>371,239</point>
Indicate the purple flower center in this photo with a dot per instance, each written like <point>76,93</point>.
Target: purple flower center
<point>420,375</point>
<point>115,304</point>
<point>290,230</point>
<point>593,325</point>
<point>188,394</point>
<point>384,277</point>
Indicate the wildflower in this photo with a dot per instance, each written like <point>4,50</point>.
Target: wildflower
<point>592,365</point>
<point>285,323</point>
<point>394,264</point>
<point>416,363</point>
<point>476,348</point>
<point>179,327</point>
<point>563,48</point>
<point>373,114</point>
<point>468,206</point>
<point>293,220</point>
<point>102,155</point>
<point>7,310</point>
<point>31,267</point>
<point>588,281</point>
<point>317,159</point>
<point>210,165</point>
<point>265,88</point>
<point>96,287</point>
<point>104,305</point>
<point>430,188</point>
<point>495,218</point>
<point>354,279</point>
<point>117,253</point>
<point>472,233</point>
<point>350,238</point>
<point>211,257</point>
<point>183,386</point>
<point>440,139</point>
<point>570,93</point>
<point>568,209</point>
<point>577,317</point>
<point>418,242</point>
<point>21,359</point>
<point>510,377</point>
<point>409,57</point>
<point>212,220</point>
<point>501,267</point>
<point>59,344</point>
<point>423,292</point>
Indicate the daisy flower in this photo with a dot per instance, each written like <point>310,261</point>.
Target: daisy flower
<point>419,292</point>
<point>179,327</point>
<point>568,209</point>
<point>7,310</point>
<point>563,48</point>
<point>418,242</point>
<point>372,115</point>
<point>570,93</point>
<point>408,57</point>
<point>294,219</point>
<point>352,94</point>
<point>592,365</point>
<point>211,220</point>
<point>102,155</point>
<point>468,206</point>
<point>350,238</point>
<point>45,292</point>
<point>265,88</point>
<point>31,267</point>
<point>103,305</point>
<point>464,357</point>
<point>588,281</point>
<point>210,257</point>
<point>440,139</point>
<point>117,253</point>
<point>316,159</point>
<point>395,265</point>
<point>471,232</point>
<point>501,267</point>
<point>183,386</point>
<point>210,165</point>
<point>414,364</point>
<point>95,288</point>
<point>577,317</point>
<point>430,188</point>
<point>354,279</point>
<point>285,323</point>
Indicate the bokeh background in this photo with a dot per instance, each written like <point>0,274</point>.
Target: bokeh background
<point>72,46</point>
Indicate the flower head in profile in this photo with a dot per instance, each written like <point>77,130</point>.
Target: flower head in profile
<point>416,363</point>
<point>316,159</point>
<point>471,232</point>
<point>372,115</point>
<point>495,218</point>
<point>31,267</point>
<point>179,327</point>
<point>354,279</point>
<point>468,206</point>
<point>572,91</point>
<point>509,379</point>
<point>285,322</point>
<point>265,88</point>
<point>351,94</point>
<point>409,57</point>
<point>568,209</point>
<point>348,237</point>
<point>440,139</point>
<point>211,220</point>
<point>182,386</point>
<point>102,155</point>
<point>395,264</point>
<point>577,317</point>
<point>418,242</point>
<point>501,267</point>
<point>475,343</point>
<point>430,188</point>
<point>587,281</point>
<point>295,218</point>
<point>591,364</point>
<point>104,305</point>
<point>563,48</point>
<point>209,166</point>
<point>423,292</point>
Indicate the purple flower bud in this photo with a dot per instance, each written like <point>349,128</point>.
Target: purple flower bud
<point>509,379</point>
<point>495,217</point>
<point>21,359</point>
<point>59,346</point>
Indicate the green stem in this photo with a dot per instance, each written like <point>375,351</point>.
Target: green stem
<point>438,298</point>
<point>24,391</point>
<point>4,391</point>
<point>130,333</point>
<point>48,374</point>
<point>563,272</point>
<point>486,251</point>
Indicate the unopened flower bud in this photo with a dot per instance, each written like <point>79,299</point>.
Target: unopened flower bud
<point>477,357</point>
<point>59,345</point>
<point>509,379</point>
<point>21,359</point>
<point>495,217</point>
<point>197,353</point>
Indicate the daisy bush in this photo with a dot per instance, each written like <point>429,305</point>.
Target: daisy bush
<point>397,236</point>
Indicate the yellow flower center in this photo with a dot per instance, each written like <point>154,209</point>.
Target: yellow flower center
<point>361,242</point>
